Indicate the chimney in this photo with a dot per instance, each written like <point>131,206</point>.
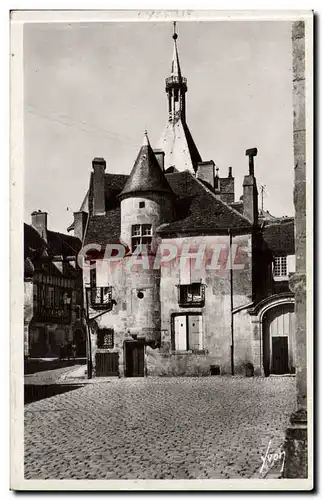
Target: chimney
<point>160,155</point>
<point>99,165</point>
<point>80,219</point>
<point>250,192</point>
<point>39,222</point>
<point>205,172</point>
<point>227,188</point>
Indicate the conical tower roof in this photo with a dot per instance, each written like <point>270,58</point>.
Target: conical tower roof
<point>146,175</point>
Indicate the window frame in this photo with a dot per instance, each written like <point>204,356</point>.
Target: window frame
<point>188,350</point>
<point>281,260</point>
<point>102,335</point>
<point>184,302</point>
<point>141,238</point>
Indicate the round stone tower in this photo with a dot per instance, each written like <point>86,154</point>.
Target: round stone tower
<point>146,203</point>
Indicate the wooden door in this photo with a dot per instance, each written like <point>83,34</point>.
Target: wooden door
<point>180,327</point>
<point>134,359</point>
<point>195,332</point>
<point>107,364</point>
<point>279,364</point>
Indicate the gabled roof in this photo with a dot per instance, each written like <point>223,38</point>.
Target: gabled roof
<point>104,229</point>
<point>62,244</point>
<point>146,174</point>
<point>202,211</point>
<point>279,235</point>
<point>196,207</point>
<point>38,252</point>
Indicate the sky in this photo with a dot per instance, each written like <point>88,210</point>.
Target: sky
<point>92,90</point>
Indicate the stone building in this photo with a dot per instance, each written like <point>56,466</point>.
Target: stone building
<point>53,290</point>
<point>296,443</point>
<point>178,275</point>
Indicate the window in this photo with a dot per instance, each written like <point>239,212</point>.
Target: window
<point>192,295</point>
<point>105,339</point>
<point>280,266</point>
<point>101,296</point>
<point>141,236</point>
<point>187,332</point>
<point>141,204</point>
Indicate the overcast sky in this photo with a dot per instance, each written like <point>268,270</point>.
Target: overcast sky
<point>92,89</point>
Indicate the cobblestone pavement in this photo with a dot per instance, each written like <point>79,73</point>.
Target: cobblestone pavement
<point>158,428</point>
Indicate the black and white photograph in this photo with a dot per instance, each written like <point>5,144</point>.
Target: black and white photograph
<point>161,209</point>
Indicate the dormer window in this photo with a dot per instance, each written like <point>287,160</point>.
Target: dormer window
<point>141,236</point>
<point>141,204</point>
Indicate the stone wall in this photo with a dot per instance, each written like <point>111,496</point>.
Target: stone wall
<point>216,313</point>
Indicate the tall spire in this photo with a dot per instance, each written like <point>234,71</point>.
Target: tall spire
<point>176,69</point>
<point>176,86</point>
<point>177,143</point>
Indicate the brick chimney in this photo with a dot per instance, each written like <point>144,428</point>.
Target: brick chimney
<point>227,187</point>
<point>99,165</point>
<point>250,192</point>
<point>160,155</point>
<point>80,219</point>
<point>39,222</point>
<point>205,172</point>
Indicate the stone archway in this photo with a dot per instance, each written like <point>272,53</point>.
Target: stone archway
<point>278,331</point>
<point>261,316</point>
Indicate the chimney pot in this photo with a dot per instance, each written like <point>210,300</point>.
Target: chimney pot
<point>230,172</point>
<point>80,219</point>
<point>39,222</point>
<point>99,166</point>
<point>100,162</point>
<point>160,155</point>
<point>205,172</point>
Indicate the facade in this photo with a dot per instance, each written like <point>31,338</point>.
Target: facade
<point>180,278</point>
<point>53,312</point>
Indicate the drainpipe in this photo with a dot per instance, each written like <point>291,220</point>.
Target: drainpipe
<point>88,337</point>
<point>231,301</point>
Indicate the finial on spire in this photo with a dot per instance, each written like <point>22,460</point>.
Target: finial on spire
<point>145,142</point>
<point>175,35</point>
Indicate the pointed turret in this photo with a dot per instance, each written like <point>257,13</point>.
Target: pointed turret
<point>177,142</point>
<point>146,175</point>
<point>146,201</point>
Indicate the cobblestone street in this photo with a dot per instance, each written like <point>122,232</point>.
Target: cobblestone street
<point>158,428</point>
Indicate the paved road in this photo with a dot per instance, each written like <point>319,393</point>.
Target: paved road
<point>157,428</point>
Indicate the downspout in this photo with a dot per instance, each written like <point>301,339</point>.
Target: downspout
<point>88,337</point>
<point>231,302</point>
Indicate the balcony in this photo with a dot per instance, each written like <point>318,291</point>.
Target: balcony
<point>176,81</point>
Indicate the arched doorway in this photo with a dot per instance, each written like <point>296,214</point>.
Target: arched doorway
<point>278,332</point>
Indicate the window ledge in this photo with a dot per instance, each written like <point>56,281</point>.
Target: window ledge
<point>198,352</point>
<point>281,278</point>
<point>189,305</point>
